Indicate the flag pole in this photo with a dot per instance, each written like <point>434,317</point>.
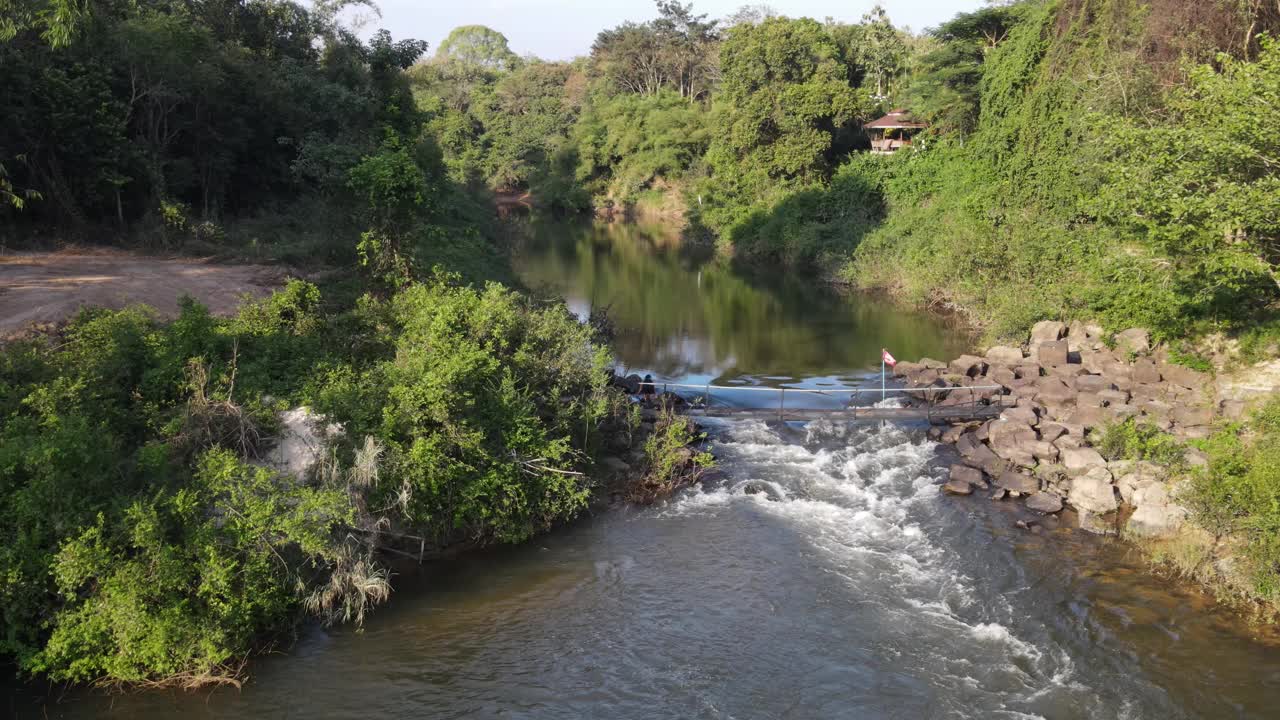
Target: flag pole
<point>882,351</point>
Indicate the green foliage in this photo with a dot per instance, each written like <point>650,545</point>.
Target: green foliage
<point>628,142</point>
<point>784,102</point>
<point>139,543</point>
<point>477,48</point>
<point>1028,208</point>
<point>1133,440</point>
<point>1199,187</point>
<point>1238,493</point>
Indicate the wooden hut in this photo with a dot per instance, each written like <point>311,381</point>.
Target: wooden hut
<point>893,131</point>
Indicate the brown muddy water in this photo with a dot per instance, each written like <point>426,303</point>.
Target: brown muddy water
<point>852,588</point>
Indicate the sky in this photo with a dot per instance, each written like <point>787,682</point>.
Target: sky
<point>562,29</point>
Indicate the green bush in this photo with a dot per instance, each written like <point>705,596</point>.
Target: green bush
<point>1133,440</point>
<point>139,543</point>
<point>1238,493</point>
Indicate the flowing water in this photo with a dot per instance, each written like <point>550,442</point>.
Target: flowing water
<point>850,588</point>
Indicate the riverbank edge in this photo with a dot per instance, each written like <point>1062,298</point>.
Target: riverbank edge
<point>1061,391</point>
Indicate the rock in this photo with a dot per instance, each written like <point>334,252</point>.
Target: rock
<point>1095,523</point>
<point>906,369</point>
<point>1027,371</point>
<point>1082,460</point>
<point>1044,503</point>
<point>760,487</point>
<point>631,384</point>
<point>967,444</point>
<point>967,475</point>
<point>1017,482</point>
<point>1069,442</point>
<point>1052,431</point>
<point>984,431</point>
<point>999,494</point>
<point>1121,412</point>
<point>1086,417</point>
<point>1183,376</point>
<point>952,434</point>
<point>1232,409</point>
<point>1256,382</point>
<point>615,465</point>
<point>1002,375</point>
<point>1113,397</point>
<point>1197,432</point>
<point>1139,476</point>
<point>1156,515</point>
<point>968,366</point>
<point>1021,414</point>
<point>1004,355</point>
<point>1068,372</point>
<point>1133,340</point>
<point>931,364</point>
<point>1053,391</point>
<point>1012,441</point>
<point>955,487</point>
<point>935,434</point>
<point>1088,399</point>
<point>1196,458</point>
<point>1191,416</point>
<point>1093,491</point>
<point>1098,360</point>
<point>1044,452</point>
<point>1047,331</point>
<point>1083,336</point>
<point>1145,371</point>
<point>1092,384</point>
<point>1048,354</point>
<point>1154,408</point>
<point>302,442</point>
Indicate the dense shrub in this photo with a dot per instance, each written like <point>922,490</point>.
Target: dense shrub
<point>1238,493</point>
<point>142,541</point>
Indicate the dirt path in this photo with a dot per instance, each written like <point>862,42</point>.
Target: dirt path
<point>38,288</point>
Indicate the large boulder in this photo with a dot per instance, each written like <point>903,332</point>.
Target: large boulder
<point>1135,476</point>
<point>1145,371</point>
<point>1047,331</point>
<point>1049,354</point>
<point>968,366</point>
<point>1053,391</point>
<point>1081,460</point>
<point>1093,492</point>
<point>1050,431</point>
<point>1183,376</point>
<point>1084,336</point>
<point>1092,384</point>
<point>630,383</point>
<point>1134,340</point>
<point>964,474</point>
<point>1184,415</point>
<point>906,369</point>
<point>1013,441</point>
<point>1044,502</point>
<point>1017,482</point>
<point>1004,355</point>
<point>1022,414</point>
<point>1156,515</point>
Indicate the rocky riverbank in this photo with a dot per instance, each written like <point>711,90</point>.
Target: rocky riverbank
<point>1061,389</point>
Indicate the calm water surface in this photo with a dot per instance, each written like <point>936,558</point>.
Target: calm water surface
<point>852,589</point>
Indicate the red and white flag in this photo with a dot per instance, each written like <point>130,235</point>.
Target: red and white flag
<point>887,358</point>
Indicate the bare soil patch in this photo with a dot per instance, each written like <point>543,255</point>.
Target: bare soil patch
<point>47,287</point>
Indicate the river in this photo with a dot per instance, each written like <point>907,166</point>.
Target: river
<point>854,589</point>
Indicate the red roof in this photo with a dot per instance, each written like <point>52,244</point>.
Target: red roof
<point>896,119</point>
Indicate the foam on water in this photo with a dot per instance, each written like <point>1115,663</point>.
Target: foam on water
<point>858,497</point>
